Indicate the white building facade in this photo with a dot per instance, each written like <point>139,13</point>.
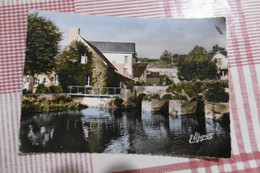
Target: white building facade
<point>120,54</point>
<point>222,63</point>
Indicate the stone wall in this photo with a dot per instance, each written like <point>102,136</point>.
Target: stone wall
<point>161,90</point>
<point>154,105</point>
<point>150,106</point>
<point>153,80</point>
<point>180,107</point>
<point>216,110</point>
<point>128,97</point>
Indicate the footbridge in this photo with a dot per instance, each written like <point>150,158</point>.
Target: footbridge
<point>88,91</point>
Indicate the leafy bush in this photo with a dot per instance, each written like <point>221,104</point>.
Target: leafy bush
<point>217,93</point>
<point>63,99</point>
<point>25,91</point>
<point>192,89</point>
<point>130,84</point>
<point>179,97</point>
<point>117,102</point>
<point>151,97</point>
<point>44,105</point>
<point>140,83</point>
<point>41,88</point>
<point>165,81</point>
<point>212,91</point>
<point>193,70</point>
<point>28,106</point>
<point>54,89</point>
<point>177,90</point>
<point>103,91</point>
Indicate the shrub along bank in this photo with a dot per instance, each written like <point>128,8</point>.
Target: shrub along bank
<point>41,104</point>
<point>212,91</point>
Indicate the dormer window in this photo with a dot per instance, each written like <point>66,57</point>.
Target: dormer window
<point>84,58</point>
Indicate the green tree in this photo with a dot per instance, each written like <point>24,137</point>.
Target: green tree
<point>216,92</point>
<point>41,46</point>
<point>166,56</point>
<point>70,70</point>
<point>198,66</point>
<point>147,60</point>
<point>194,70</point>
<point>216,48</point>
<point>198,54</point>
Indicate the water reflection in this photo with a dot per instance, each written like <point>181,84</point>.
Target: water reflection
<point>113,131</point>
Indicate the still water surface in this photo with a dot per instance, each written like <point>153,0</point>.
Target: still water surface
<point>111,131</point>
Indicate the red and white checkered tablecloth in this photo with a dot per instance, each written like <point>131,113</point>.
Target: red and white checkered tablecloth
<point>243,44</point>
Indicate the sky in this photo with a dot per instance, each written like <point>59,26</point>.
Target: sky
<point>151,36</point>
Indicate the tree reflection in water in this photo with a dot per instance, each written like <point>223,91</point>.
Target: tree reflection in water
<point>112,131</point>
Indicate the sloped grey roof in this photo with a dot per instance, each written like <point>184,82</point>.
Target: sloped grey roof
<point>100,53</point>
<point>114,47</point>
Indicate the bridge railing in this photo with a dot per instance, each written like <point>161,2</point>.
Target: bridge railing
<point>94,91</point>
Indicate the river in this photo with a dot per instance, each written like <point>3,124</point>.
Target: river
<point>98,130</point>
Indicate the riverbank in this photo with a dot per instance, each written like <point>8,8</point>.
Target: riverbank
<point>43,104</point>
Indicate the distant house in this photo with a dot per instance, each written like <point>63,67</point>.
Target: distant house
<point>47,80</point>
<point>153,78</point>
<point>171,73</point>
<point>221,62</point>
<point>219,57</point>
<point>140,71</point>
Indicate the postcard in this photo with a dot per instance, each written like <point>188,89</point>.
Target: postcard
<point>99,84</point>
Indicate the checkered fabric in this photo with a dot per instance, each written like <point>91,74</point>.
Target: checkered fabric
<point>243,42</point>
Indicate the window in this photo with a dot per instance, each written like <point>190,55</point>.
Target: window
<point>45,81</point>
<point>27,78</point>
<point>84,59</point>
<point>55,79</point>
<point>126,59</point>
<point>36,81</point>
<point>88,80</point>
<point>125,71</point>
<point>219,62</point>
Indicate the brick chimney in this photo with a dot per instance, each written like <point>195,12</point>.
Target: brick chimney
<point>74,32</point>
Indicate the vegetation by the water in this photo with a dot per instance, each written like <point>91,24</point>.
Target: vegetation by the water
<point>43,104</point>
<point>41,88</point>
<point>130,84</point>
<point>216,92</point>
<point>212,91</point>
<point>116,103</point>
<point>151,97</point>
